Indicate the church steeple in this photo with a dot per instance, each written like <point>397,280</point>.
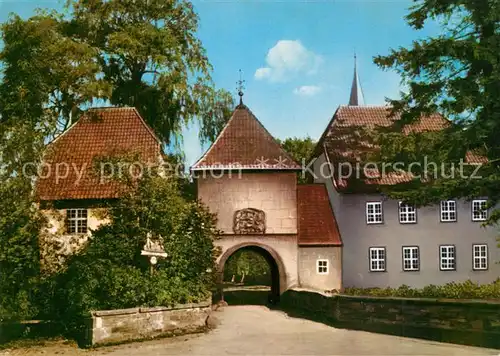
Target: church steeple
<point>356,98</point>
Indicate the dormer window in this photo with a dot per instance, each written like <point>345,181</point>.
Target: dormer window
<point>76,221</point>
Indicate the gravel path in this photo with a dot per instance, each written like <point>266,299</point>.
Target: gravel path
<point>256,330</point>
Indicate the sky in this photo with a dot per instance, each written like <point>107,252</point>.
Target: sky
<point>296,56</point>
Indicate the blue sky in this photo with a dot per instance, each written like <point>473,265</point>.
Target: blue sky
<point>296,56</point>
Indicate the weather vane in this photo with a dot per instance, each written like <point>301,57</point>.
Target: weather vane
<point>240,88</point>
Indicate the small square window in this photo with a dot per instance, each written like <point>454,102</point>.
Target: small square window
<point>411,258</point>
<point>447,258</point>
<point>374,213</point>
<point>480,257</point>
<point>377,259</point>
<point>322,266</point>
<point>407,213</point>
<point>77,222</point>
<point>448,210</point>
<point>479,211</point>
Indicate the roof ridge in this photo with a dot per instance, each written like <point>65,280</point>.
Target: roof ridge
<point>261,131</point>
<point>365,106</point>
<point>110,108</point>
<point>150,130</point>
<point>274,139</point>
<point>216,139</point>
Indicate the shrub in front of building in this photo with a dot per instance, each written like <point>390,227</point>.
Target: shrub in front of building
<point>110,272</point>
<point>453,290</point>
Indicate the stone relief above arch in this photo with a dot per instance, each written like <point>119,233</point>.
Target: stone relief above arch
<point>249,221</point>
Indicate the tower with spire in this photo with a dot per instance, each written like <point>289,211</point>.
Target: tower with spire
<point>357,98</point>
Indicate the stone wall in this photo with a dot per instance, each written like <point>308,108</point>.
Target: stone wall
<point>308,273</point>
<point>115,326</point>
<point>458,321</point>
<point>274,193</point>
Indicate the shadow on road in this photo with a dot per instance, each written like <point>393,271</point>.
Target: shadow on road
<point>247,296</point>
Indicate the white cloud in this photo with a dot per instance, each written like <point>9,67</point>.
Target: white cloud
<point>262,73</point>
<point>307,90</point>
<point>286,59</point>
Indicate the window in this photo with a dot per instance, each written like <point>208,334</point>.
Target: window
<point>480,257</point>
<point>322,266</point>
<point>447,257</point>
<point>479,211</point>
<point>448,210</point>
<point>411,258</point>
<point>407,213</point>
<point>374,213</point>
<point>377,259</point>
<point>76,221</point>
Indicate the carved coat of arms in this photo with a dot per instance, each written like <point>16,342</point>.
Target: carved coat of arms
<point>249,221</point>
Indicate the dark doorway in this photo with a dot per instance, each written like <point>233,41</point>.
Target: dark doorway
<point>250,275</point>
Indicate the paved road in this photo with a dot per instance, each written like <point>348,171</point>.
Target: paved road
<point>256,330</point>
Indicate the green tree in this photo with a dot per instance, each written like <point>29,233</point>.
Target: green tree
<point>301,150</point>
<point>53,66</point>
<point>457,74</point>
<point>124,52</point>
<point>111,273</point>
<point>20,224</point>
<point>247,265</point>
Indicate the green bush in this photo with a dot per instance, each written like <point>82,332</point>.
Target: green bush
<point>110,273</point>
<point>20,224</point>
<point>453,290</point>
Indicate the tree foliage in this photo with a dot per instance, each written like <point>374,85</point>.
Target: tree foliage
<point>20,224</point>
<point>452,290</point>
<point>111,273</point>
<point>301,150</point>
<point>457,74</point>
<point>123,52</point>
<point>249,267</point>
<point>54,66</point>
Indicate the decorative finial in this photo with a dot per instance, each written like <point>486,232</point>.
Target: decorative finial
<point>241,87</point>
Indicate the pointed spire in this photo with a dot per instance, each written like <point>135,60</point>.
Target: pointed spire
<point>357,97</point>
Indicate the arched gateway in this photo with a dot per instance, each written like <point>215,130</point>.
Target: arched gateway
<point>250,182</point>
<point>273,259</point>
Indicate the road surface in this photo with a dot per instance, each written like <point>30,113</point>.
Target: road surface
<point>256,330</point>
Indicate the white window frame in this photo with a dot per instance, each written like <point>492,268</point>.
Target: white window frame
<point>446,211</point>
<point>412,257</point>
<point>447,258</point>
<point>407,213</point>
<point>480,253</point>
<point>79,216</point>
<point>376,216</point>
<point>380,261</point>
<point>482,211</point>
<point>322,266</point>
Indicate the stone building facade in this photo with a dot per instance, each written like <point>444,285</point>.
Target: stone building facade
<point>246,170</point>
<point>386,242</point>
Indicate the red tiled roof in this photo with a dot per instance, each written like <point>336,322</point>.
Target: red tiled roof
<point>317,224</point>
<point>99,133</point>
<point>373,116</point>
<point>244,143</point>
<point>345,138</point>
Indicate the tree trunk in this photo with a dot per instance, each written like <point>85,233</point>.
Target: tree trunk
<point>242,278</point>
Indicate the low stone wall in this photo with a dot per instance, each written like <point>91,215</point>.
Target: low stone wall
<point>115,326</point>
<point>469,322</point>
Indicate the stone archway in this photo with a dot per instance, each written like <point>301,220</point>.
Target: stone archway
<point>278,273</point>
